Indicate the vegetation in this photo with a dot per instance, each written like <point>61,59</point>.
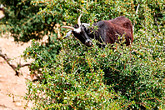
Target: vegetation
<point>73,76</point>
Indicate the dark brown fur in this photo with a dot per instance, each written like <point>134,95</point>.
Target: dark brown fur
<point>108,31</point>
<point>123,24</point>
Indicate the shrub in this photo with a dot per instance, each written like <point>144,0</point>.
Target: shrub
<point>72,76</point>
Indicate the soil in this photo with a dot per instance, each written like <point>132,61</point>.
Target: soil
<point>13,88</point>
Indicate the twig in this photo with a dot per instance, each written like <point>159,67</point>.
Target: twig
<point>157,23</point>
<point>137,9</point>
<point>135,15</point>
<point>4,56</point>
<point>7,59</point>
<point>28,64</point>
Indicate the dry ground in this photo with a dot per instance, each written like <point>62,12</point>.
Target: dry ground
<point>12,88</point>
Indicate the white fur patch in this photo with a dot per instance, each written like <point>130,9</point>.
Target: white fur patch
<point>78,30</point>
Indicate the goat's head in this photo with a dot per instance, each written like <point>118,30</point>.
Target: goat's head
<point>2,14</point>
<point>80,32</point>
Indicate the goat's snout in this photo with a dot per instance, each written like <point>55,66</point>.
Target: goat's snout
<point>88,42</point>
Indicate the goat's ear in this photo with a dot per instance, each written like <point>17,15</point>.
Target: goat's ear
<point>86,25</point>
<point>68,34</point>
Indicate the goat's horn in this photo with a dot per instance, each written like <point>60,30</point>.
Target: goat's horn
<point>79,21</point>
<point>68,27</point>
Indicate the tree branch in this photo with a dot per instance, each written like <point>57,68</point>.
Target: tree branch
<point>7,59</point>
<point>135,16</point>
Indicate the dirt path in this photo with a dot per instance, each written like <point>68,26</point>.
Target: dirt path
<point>12,88</point>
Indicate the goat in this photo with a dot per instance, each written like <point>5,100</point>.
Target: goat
<point>107,31</point>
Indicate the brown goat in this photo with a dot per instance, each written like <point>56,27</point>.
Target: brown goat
<point>108,31</point>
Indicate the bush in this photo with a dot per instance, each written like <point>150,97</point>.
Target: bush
<point>73,76</point>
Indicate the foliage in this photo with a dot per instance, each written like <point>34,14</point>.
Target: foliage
<point>73,76</point>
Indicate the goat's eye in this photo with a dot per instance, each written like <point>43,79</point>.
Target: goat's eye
<point>76,26</point>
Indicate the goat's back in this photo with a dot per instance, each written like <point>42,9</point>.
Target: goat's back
<point>109,30</point>
<point>123,22</point>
